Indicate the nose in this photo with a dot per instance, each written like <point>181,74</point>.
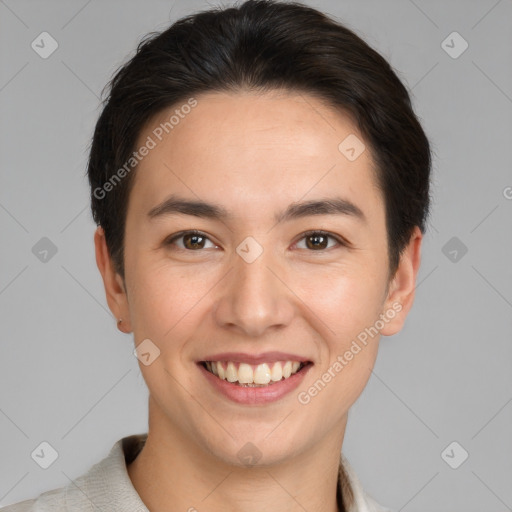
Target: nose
<point>254,298</point>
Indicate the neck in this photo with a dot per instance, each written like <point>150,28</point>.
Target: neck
<point>172,473</point>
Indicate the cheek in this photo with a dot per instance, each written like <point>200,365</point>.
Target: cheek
<point>346,299</point>
<point>164,299</point>
<point>347,311</point>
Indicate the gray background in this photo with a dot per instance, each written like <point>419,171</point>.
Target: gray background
<point>69,377</point>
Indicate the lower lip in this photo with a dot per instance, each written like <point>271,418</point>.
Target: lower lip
<point>257,395</point>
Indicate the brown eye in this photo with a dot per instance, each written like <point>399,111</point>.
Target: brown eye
<point>191,240</point>
<point>316,241</point>
<point>319,240</point>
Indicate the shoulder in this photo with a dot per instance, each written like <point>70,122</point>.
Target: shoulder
<point>106,486</point>
<point>22,506</point>
<point>50,500</point>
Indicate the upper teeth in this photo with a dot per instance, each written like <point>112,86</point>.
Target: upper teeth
<point>252,374</point>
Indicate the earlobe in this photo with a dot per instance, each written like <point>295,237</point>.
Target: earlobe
<point>114,286</point>
<point>402,288</point>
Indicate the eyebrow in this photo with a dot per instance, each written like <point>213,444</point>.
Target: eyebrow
<point>331,206</point>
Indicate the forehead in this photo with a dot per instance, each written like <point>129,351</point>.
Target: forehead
<point>251,149</point>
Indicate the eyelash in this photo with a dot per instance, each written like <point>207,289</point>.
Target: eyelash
<point>181,234</point>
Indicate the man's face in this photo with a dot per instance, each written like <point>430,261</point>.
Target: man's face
<point>251,289</point>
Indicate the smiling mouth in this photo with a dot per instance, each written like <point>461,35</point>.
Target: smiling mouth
<point>254,376</point>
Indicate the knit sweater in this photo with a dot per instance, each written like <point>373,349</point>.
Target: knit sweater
<point>107,487</point>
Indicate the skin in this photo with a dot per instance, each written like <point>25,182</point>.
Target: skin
<point>254,154</point>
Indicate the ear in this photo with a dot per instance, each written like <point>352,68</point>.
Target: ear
<point>401,291</point>
<point>114,286</point>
